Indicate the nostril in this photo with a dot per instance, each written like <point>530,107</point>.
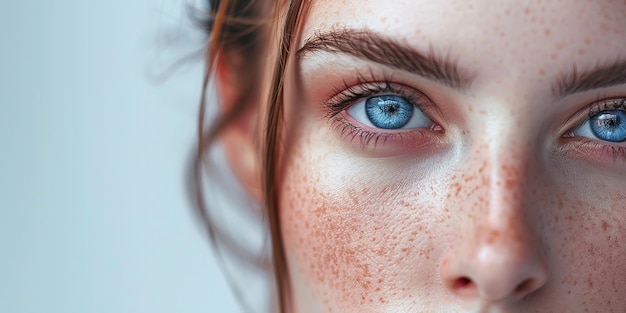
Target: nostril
<point>524,286</point>
<point>462,283</point>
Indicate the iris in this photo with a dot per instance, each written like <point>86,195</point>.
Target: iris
<point>609,125</point>
<point>389,111</point>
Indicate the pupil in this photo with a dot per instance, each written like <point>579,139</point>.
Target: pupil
<point>608,120</point>
<point>392,108</point>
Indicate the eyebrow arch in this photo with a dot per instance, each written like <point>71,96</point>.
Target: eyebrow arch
<point>602,76</point>
<point>368,45</point>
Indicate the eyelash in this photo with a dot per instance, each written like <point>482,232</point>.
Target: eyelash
<point>364,88</point>
<point>602,105</point>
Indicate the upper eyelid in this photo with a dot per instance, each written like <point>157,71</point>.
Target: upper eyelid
<point>348,96</point>
<point>577,118</point>
<point>607,104</point>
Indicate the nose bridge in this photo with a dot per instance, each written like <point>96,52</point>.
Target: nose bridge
<point>498,256</point>
<point>501,232</point>
<point>507,165</point>
<point>502,158</point>
<point>505,154</point>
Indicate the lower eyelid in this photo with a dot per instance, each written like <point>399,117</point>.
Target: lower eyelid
<point>594,151</point>
<point>388,142</point>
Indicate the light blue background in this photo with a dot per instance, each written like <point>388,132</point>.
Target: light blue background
<point>93,211</point>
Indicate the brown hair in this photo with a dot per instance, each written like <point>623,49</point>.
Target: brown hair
<point>237,28</point>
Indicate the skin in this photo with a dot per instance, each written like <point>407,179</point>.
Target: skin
<point>499,210</point>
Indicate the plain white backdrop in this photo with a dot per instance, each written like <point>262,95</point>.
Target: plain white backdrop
<point>93,209</point>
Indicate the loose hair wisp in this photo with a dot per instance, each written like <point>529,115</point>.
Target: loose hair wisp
<point>237,27</point>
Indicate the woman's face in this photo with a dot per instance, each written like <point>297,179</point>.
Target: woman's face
<point>456,156</point>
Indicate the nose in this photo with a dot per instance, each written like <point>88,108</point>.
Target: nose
<point>498,258</point>
<point>498,269</point>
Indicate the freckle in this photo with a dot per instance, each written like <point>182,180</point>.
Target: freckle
<point>553,56</point>
<point>605,225</point>
<point>582,51</point>
<point>560,45</point>
<point>492,236</point>
<point>542,72</point>
<point>547,32</point>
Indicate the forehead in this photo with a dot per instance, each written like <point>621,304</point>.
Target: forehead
<point>488,35</point>
<point>458,19</point>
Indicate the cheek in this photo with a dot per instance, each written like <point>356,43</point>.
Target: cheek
<point>353,235</point>
<point>584,235</point>
<point>360,236</point>
<point>579,215</point>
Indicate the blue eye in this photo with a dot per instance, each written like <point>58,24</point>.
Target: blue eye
<point>609,125</point>
<point>389,112</point>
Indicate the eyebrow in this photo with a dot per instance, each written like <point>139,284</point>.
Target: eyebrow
<point>601,76</point>
<point>368,45</point>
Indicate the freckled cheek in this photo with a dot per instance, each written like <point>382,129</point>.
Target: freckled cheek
<point>590,251</point>
<point>357,242</point>
<point>578,216</point>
